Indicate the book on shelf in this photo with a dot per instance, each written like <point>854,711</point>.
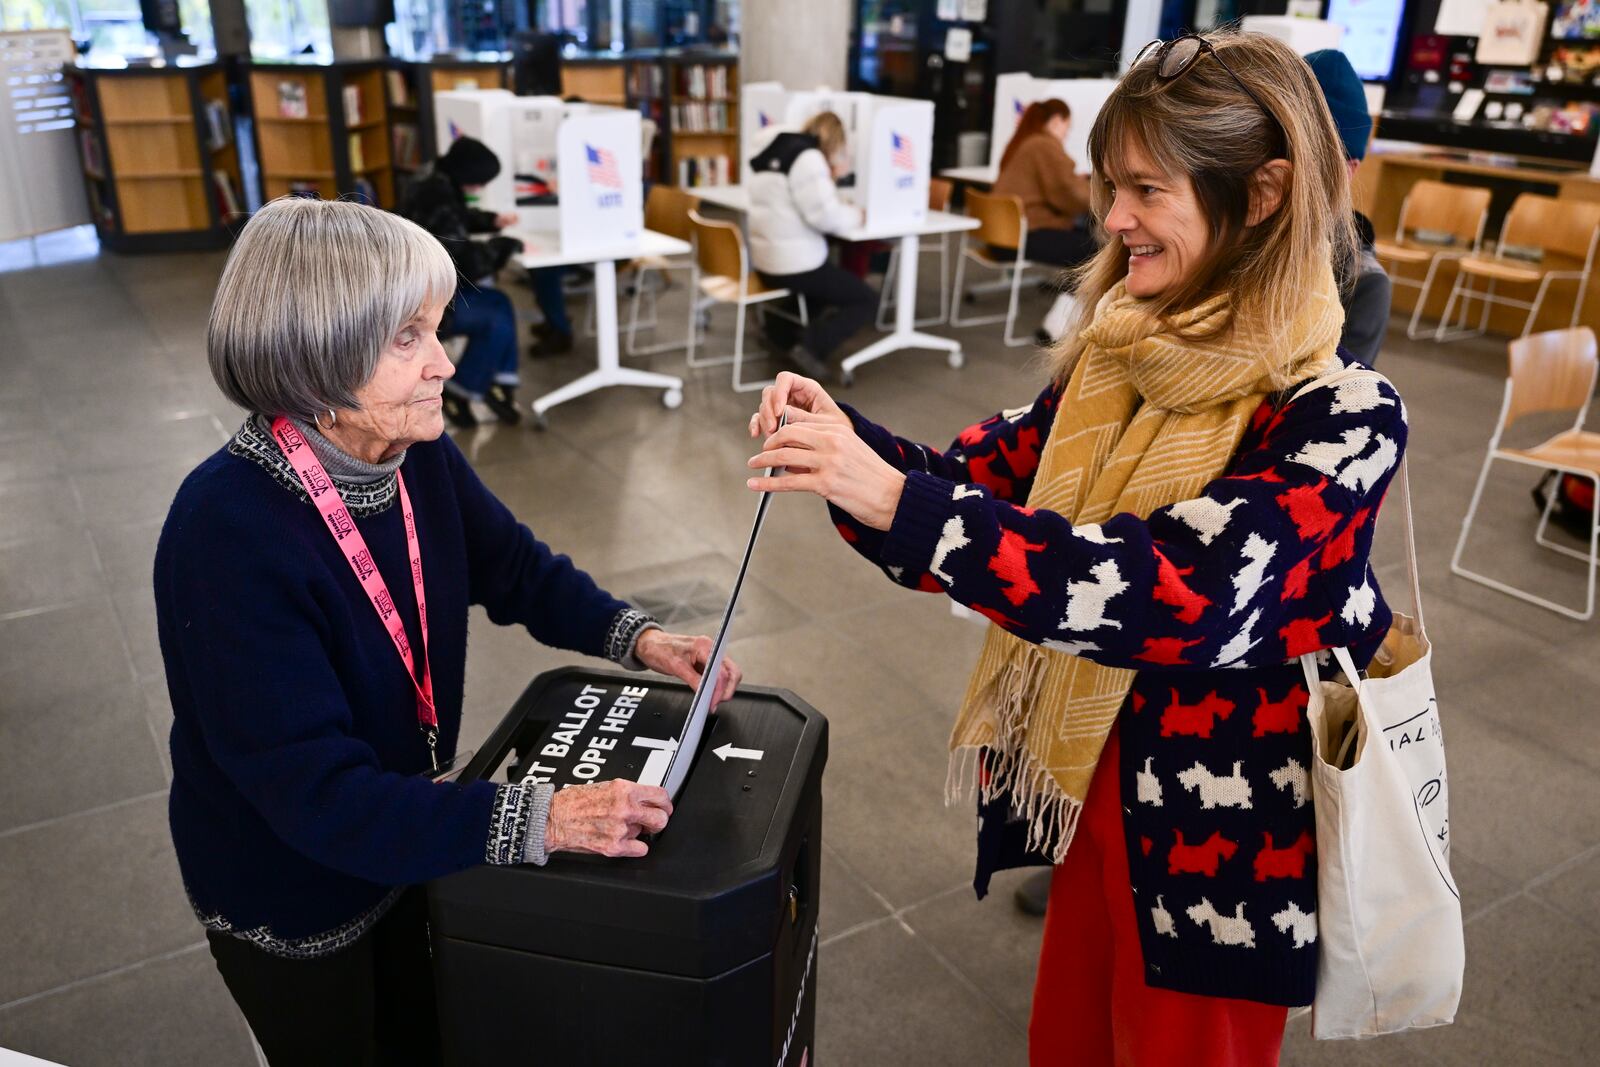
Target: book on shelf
<point>227,199</point>
<point>219,131</point>
<point>705,83</point>
<point>701,117</point>
<point>399,92</point>
<point>93,159</point>
<point>407,154</point>
<point>358,159</point>
<point>292,100</point>
<point>352,105</point>
<point>307,190</point>
<point>644,80</point>
<point>704,170</point>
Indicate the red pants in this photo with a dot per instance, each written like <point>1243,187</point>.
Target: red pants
<point>1090,1002</point>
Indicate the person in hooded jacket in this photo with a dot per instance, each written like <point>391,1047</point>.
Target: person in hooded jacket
<point>437,201</point>
<point>794,206</point>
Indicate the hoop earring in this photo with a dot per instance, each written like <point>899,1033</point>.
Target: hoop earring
<point>333,417</point>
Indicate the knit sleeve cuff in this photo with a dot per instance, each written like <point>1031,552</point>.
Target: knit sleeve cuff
<point>925,507</point>
<point>623,637</point>
<point>517,824</point>
<point>877,438</point>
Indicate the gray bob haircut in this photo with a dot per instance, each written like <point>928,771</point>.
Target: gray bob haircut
<point>313,293</point>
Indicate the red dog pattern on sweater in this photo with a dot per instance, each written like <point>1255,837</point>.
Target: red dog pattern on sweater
<point>1284,862</point>
<point>1279,717</point>
<point>1194,720</point>
<point>1203,858</point>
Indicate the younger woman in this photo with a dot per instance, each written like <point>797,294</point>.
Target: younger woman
<point>1156,539</point>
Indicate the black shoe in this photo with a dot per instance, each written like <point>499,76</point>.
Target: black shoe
<point>502,400</point>
<point>551,343</point>
<point>809,363</point>
<point>1034,893</point>
<point>458,409</point>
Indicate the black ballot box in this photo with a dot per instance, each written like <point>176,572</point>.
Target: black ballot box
<point>702,952</point>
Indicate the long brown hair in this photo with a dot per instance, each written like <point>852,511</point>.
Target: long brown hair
<point>828,129</point>
<point>1200,126</point>
<point>1033,121</point>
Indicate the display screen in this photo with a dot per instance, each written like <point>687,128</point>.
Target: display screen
<point>1576,20</point>
<point>1370,29</point>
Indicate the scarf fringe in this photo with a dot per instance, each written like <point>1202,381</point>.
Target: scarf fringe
<point>1008,769</point>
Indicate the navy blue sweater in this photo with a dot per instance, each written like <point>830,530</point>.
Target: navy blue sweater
<point>1212,600</point>
<point>300,795</point>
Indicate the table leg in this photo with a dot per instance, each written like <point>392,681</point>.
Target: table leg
<point>609,372</point>
<point>906,334</point>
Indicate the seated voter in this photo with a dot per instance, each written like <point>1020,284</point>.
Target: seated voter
<point>437,201</point>
<point>1055,197</point>
<point>794,205</point>
<point>312,583</point>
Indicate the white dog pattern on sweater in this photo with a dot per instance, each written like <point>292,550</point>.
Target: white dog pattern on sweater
<point>1225,929</point>
<point>1149,785</point>
<point>1086,601</point>
<point>1217,791</point>
<point>953,537</point>
<point>1292,776</point>
<point>1163,919</point>
<point>1293,920</point>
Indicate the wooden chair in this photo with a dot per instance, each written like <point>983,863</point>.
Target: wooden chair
<point>666,210</point>
<point>1001,225</point>
<point>722,275</point>
<point>1550,372</point>
<point>1563,234</point>
<point>1439,223</point>
<point>939,190</point>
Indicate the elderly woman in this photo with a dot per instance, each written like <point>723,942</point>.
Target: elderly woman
<point>312,584</point>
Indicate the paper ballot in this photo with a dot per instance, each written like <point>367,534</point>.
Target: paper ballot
<point>700,709</point>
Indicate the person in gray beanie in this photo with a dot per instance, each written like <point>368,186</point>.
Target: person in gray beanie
<point>1365,287</point>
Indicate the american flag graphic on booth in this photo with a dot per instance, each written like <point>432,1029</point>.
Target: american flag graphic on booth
<point>903,158</point>
<point>603,168</point>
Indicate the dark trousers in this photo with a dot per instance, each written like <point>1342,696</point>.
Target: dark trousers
<point>837,302</point>
<point>368,1004</point>
<point>489,322</point>
<point>1061,248</point>
<point>550,294</point>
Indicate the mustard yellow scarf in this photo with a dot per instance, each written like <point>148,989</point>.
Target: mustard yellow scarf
<point>1148,418</point>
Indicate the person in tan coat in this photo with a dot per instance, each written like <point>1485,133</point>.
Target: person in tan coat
<point>1055,198</point>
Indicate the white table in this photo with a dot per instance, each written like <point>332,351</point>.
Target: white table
<point>984,175</point>
<point>542,248</point>
<point>905,333</point>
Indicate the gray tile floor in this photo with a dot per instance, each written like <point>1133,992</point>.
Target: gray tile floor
<point>105,404</point>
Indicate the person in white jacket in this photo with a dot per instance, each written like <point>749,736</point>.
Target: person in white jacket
<point>794,204</point>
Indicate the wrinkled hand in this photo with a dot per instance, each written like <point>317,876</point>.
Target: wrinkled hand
<point>820,456</point>
<point>505,218</point>
<point>606,818</point>
<point>803,399</point>
<point>685,657</point>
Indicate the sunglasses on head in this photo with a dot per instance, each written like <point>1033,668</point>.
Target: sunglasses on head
<point>1174,58</point>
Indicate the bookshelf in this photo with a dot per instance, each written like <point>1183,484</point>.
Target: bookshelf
<point>702,105</point>
<point>160,163</point>
<point>323,129</point>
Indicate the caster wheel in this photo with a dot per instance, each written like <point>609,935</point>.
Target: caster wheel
<point>672,399</point>
<point>540,421</point>
<point>847,378</point>
<point>955,359</point>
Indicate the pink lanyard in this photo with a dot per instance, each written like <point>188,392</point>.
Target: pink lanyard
<point>320,488</point>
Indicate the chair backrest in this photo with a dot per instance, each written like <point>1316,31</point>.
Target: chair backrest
<point>1442,208</point>
<point>718,247</point>
<point>939,190</point>
<point>1562,228</point>
<point>1553,371</point>
<point>666,210</point>
<point>999,219</point>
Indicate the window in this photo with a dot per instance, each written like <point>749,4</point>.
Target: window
<point>283,28</point>
<point>111,27</point>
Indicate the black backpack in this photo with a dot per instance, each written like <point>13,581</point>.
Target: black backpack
<point>1574,505</point>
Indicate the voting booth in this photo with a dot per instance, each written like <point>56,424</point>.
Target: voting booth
<point>546,145</point>
<point>889,140</point>
<point>704,951</point>
<point>1014,92</point>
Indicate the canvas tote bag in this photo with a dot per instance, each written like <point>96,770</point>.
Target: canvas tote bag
<point>1388,911</point>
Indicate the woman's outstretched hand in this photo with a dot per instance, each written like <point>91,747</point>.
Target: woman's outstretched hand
<point>803,398</point>
<point>821,453</point>
<point>685,657</point>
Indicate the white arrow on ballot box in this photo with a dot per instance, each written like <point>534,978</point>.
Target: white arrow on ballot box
<point>727,752</point>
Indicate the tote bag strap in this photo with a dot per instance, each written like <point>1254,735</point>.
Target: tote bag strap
<point>1413,573</point>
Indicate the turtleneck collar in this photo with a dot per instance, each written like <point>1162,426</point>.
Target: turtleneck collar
<point>340,465</point>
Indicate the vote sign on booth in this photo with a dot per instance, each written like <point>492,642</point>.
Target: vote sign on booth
<point>600,176</point>
<point>895,160</point>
